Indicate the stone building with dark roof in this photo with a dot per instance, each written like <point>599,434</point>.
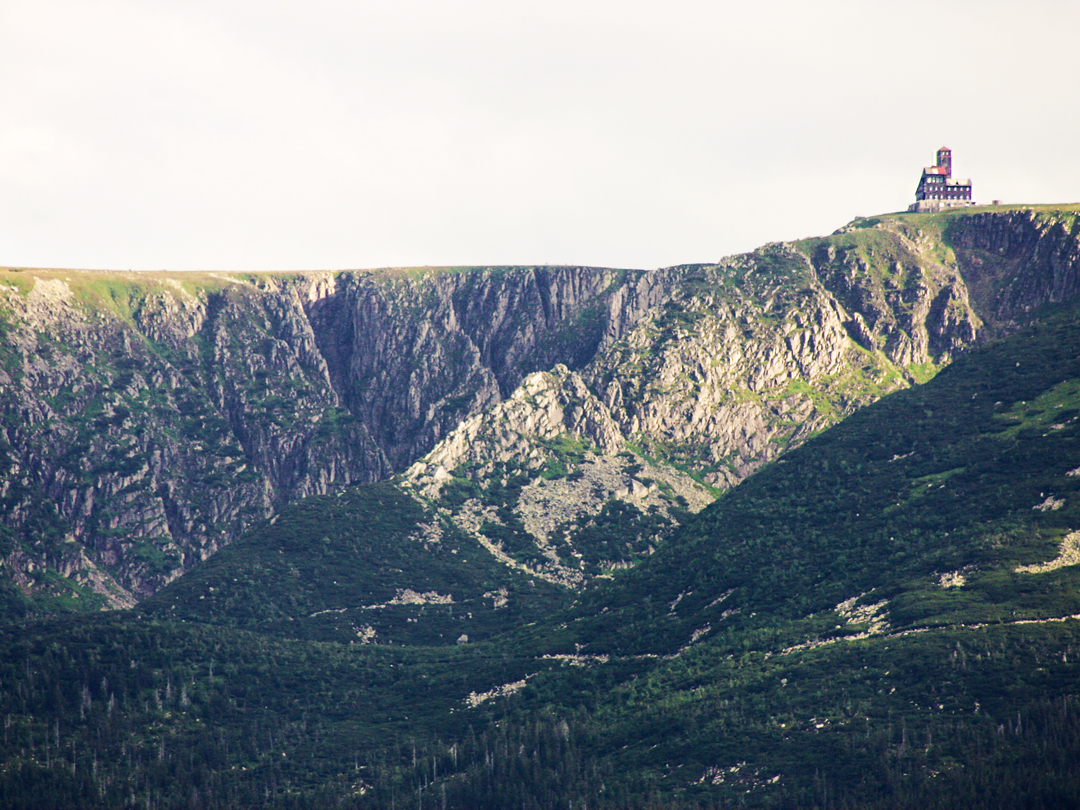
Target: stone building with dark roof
<point>938,189</point>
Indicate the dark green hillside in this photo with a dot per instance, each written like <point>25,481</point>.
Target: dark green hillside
<point>117,710</point>
<point>852,626</point>
<point>885,618</point>
<point>357,567</point>
<point>868,619</point>
<point>953,476</point>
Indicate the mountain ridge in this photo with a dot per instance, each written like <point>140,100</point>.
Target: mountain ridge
<point>534,614</point>
<point>148,420</point>
<point>885,617</point>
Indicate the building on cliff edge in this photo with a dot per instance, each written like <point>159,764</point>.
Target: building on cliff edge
<point>938,189</point>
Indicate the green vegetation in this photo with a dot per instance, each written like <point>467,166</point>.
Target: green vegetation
<point>619,535</point>
<point>923,372</point>
<point>567,452</point>
<point>1051,410</point>
<point>334,567</point>
<point>121,294</point>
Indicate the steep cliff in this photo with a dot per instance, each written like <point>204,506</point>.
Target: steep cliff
<point>736,363</point>
<point>148,418</point>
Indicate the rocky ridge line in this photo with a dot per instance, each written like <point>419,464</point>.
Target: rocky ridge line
<point>148,418</point>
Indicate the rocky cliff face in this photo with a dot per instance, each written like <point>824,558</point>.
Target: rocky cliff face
<point>734,364</point>
<point>1016,261</point>
<point>148,418</point>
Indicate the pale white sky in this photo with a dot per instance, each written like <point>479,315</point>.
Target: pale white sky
<point>278,134</point>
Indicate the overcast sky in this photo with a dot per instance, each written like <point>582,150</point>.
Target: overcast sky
<point>278,134</point>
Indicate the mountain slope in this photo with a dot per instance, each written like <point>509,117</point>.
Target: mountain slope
<point>744,360</point>
<point>366,565</point>
<point>923,488</point>
<point>897,599</point>
<point>148,419</point>
<point>886,617</point>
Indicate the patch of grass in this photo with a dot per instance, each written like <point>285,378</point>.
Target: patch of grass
<point>567,452</point>
<point>923,372</point>
<point>1049,411</point>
